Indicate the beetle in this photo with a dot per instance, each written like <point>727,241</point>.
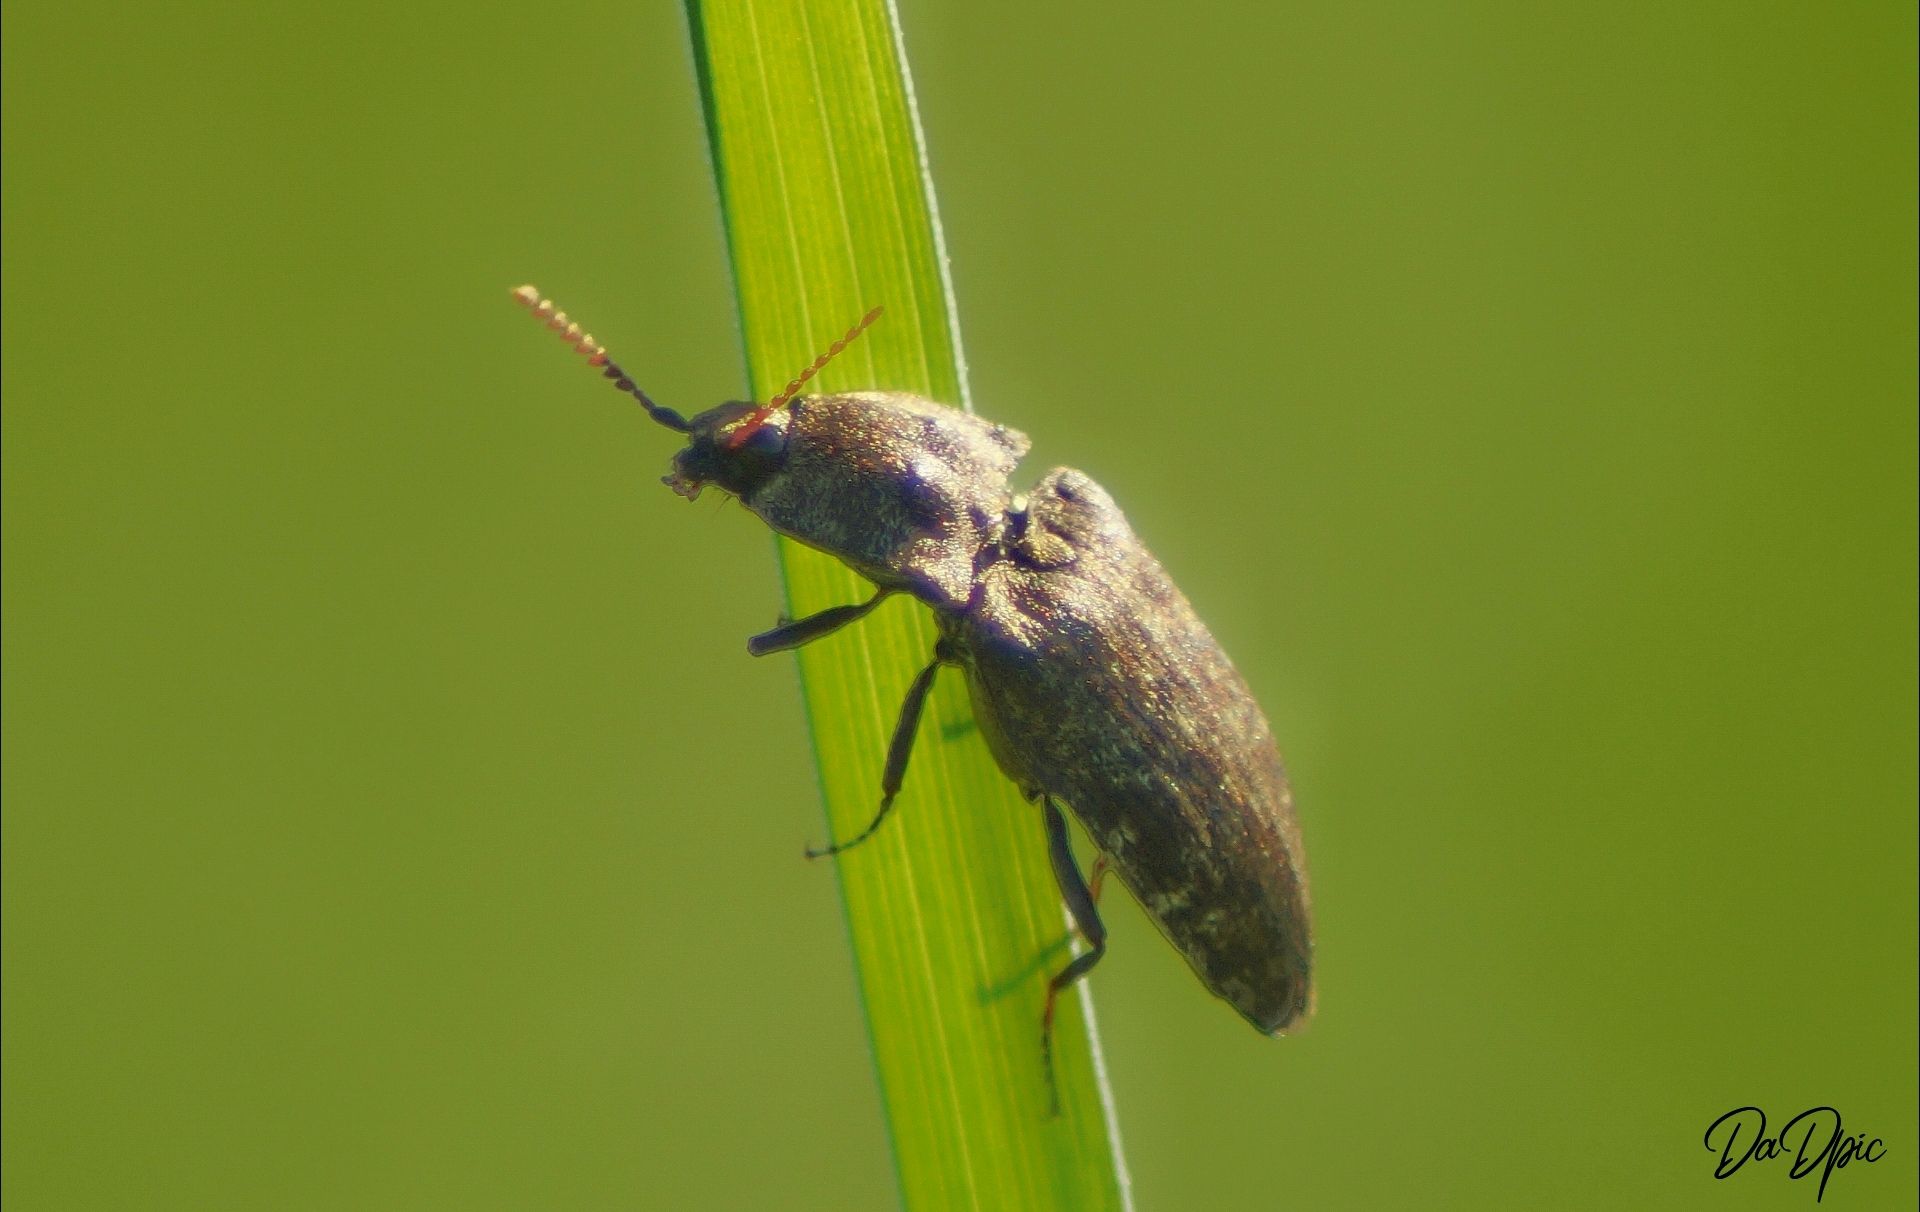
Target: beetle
<point>1094,683</point>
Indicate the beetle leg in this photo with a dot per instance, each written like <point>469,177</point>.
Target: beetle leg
<point>805,631</point>
<point>1079,898</point>
<point>897,753</point>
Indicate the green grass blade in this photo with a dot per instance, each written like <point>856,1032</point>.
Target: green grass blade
<point>951,908</point>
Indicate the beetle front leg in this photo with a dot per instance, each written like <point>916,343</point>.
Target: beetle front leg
<point>813,627</point>
<point>897,752</point>
<point>1079,898</point>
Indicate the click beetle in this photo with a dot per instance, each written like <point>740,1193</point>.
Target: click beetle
<point>1094,683</point>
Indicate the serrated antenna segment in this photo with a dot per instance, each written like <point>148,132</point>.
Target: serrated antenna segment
<point>570,332</point>
<point>595,354</point>
<point>819,363</point>
<point>747,425</point>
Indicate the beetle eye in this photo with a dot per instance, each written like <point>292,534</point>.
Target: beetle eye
<point>763,440</point>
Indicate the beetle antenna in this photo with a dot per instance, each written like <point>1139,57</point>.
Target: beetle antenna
<point>753,420</point>
<point>833,351</point>
<point>596,355</point>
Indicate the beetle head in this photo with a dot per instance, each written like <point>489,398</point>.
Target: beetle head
<point>736,445</point>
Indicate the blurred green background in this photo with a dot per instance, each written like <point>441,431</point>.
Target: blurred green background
<point>393,818</point>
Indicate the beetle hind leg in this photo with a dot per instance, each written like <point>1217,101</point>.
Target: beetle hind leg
<point>898,752</point>
<point>1080,903</point>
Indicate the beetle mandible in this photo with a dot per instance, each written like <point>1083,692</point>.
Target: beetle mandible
<point>1093,681</point>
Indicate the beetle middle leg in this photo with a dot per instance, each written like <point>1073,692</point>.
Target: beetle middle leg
<point>814,626</point>
<point>898,751</point>
<point>1080,903</point>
